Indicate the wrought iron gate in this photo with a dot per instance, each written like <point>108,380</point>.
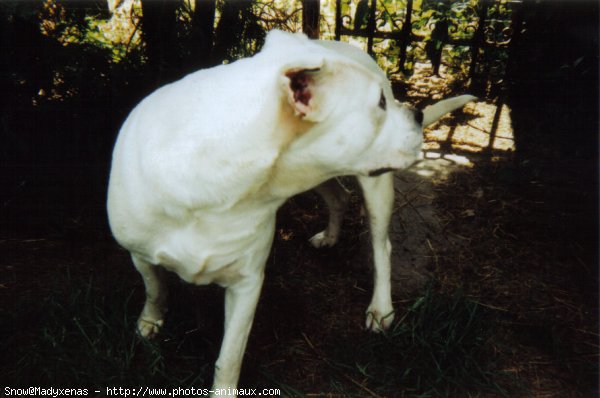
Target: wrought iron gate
<point>484,27</point>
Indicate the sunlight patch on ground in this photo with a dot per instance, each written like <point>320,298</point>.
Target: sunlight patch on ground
<point>456,140</point>
<point>436,166</point>
<point>481,127</point>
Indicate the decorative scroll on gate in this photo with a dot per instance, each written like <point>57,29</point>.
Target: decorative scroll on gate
<point>478,31</point>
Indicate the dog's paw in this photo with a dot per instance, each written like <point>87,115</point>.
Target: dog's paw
<point>378,320</point>
<point>323,239</point>
<point>148,328</point>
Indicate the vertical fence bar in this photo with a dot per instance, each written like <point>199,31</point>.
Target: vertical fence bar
<point>517,27</point>
<point>338,19</point>
<point>371,26</point>
<point>311,12</point>
<point>478,38</point>
<point>406,35</point>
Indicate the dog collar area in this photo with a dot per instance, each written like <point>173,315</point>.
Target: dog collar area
<point>378,172</point>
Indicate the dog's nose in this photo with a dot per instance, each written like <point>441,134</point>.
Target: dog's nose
<point>418,116</point>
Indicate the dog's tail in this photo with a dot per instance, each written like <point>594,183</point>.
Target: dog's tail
<point>433,113</point>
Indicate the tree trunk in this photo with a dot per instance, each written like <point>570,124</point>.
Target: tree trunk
<point>236,30</point>
<point>158,30</point>
<point>203,28</point>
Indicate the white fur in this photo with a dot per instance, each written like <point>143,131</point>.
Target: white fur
<point>201,166</point>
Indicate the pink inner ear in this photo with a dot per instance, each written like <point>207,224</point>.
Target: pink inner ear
<point>299,82</point>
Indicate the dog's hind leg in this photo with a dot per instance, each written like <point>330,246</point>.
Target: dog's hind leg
<point>152,317</point>
<point>336,197</point>
<point>379,199</point>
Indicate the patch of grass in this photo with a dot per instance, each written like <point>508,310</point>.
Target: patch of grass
<point>82,334</point>
<point>438,348</point>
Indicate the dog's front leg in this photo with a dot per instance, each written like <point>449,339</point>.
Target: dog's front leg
<point>379,199</point>
<point>241,299</point>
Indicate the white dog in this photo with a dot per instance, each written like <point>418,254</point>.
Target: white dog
<point>201,166</point>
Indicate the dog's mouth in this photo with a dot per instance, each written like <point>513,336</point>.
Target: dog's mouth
<point>378,172</point>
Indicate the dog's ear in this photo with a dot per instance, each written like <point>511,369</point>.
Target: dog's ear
<point>302,71</point>
<point>277,38</point>
<point>302,90</point>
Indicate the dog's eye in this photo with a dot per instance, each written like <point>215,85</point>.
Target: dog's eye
<point>382,101</point>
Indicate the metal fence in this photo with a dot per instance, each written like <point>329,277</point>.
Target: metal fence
<point>479,32</point>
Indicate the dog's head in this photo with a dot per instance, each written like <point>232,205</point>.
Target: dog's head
<point>348,120</point>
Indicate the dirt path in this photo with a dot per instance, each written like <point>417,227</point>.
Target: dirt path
<point>416,231</point>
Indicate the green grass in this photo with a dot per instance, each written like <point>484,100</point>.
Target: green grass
<point>438,348</point>
<point>84,335</point>
<point>81,333</point>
